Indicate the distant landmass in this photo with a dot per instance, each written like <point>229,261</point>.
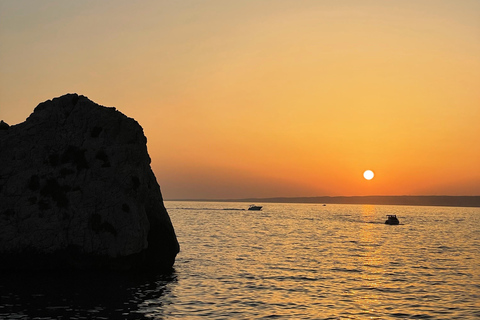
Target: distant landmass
<point>444,201</point>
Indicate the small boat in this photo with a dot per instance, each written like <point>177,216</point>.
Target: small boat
<point>255,208</point>
<point>392,219</point>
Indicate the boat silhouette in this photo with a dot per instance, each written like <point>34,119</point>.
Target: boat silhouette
<point>392,219</point>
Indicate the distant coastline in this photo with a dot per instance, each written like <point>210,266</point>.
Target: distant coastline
<point>442,201</point>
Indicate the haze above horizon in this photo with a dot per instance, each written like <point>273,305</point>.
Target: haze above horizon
<point>258,99</point>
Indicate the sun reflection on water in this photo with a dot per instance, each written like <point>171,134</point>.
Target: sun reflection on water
<point>370,262</point>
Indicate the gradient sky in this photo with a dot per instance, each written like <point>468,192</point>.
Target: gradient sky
<point>266,98</point>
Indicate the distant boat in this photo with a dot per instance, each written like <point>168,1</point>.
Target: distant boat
<point>255,208</point>
<point>392,219</point>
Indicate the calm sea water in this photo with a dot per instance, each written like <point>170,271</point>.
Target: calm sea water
<point>289,261</point>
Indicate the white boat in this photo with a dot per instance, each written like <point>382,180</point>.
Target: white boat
<point>255,208</point>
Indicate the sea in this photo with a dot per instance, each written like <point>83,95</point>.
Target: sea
<point>288,261</point>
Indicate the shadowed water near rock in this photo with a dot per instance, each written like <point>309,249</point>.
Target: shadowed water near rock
<point>68,295</point>
<point>77,192</point>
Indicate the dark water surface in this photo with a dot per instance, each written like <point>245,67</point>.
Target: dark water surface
<point>82,296</point>
<point>289,261</point>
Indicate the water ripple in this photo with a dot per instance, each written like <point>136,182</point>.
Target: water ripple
<point>286,262</point>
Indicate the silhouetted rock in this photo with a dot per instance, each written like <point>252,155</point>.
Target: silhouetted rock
<point>77,191</point>
<point>4,125</point>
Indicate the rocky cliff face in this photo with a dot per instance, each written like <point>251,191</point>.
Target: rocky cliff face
<point>77,191</point>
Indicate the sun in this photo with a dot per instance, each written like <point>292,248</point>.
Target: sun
<point>368,175</point>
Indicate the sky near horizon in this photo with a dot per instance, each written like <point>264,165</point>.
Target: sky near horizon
<point>266,98</point>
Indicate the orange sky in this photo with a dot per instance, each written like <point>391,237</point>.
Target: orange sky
<point>266,98</point>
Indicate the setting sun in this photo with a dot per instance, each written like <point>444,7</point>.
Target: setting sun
<point>248,99</point>
<point>368,175</point>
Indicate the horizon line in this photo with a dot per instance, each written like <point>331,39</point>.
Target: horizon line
<point>417,200</point>
<point>306,197</point>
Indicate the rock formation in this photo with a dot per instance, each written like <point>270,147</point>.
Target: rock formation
<point>77,191</point>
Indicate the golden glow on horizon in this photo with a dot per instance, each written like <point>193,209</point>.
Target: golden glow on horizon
<point>265,99</point>
<point>368,174</point>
